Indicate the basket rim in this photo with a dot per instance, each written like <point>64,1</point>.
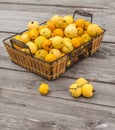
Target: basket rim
<point>77,49</point>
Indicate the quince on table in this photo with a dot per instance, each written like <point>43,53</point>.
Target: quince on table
<point>43,89</point>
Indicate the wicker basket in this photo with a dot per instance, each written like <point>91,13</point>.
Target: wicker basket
<point>45,69</point>
<point>52,70</point>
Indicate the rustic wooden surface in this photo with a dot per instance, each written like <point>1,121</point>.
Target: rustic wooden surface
<point>23,108</point>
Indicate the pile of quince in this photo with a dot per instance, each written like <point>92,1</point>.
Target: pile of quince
<point>58,36</point>
<point>81,87</point>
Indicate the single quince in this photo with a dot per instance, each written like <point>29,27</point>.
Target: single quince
<point>50,25</point>
<point>39,40</point>
<point>70,31</point>
<point>87,90</point>
<point>57,42</point>
<point>46,32</point>
<point>56,52</point>
<point>94,30</point>
<point>41,53</point>
<point>68,19</point>
<point>80,23</point>
<point>47,44</point>
<point>33,25</point>
<point>67,47</point>
<point>75,90</point>
<point>81,81</point>
<point>58,32</point>
<point>80,31</point>
<point>32,46</point>
<point>50,57</point>
<point>57,20</point>
<point>33,34</point>
<point>76,42</point>
<point>24,37</point>
<point>85,37</point>
<point>43,89</point>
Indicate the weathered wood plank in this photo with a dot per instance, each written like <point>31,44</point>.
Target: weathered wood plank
<point>3,36</point>
<point>14,20</point>
<point>21,81</point>
<point>56,112</point>
<point>81,3</point>
<point>10,122</point>
<point>22,107</point>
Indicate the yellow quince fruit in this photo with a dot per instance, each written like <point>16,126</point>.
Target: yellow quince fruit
<point>33,25</point>
<point>81,81</point>
<point>43,89</point>
<point>70,31</point>
<point>50,57</point>
<point>94,30</point>
<point>87,90</point>
<point>75,90</point>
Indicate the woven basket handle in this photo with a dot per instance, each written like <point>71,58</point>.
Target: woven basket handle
<point>83,13</point>
<point>19,44</point>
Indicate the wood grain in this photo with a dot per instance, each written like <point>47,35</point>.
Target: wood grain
<point>56,111</point>
<point>21,105</point>
<point>89,4</point>
<point>14,20</point>
<point>28,82</point>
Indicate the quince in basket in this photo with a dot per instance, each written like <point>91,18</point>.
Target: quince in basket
<point>58,36</point>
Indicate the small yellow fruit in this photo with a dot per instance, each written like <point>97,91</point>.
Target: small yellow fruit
<point>80,31</point>
<point>85,37</point>
<point>43,89</point>
<point>57,20</point>
<point>70,31</point>
<point>68,19</point>
<point>87,90</point>
<point>50,25</point>
<point>41,53</point>
<point>33,33</point>
<point>39,41</point>
<point>57,42</point>
<point>25,38</point>
<point>67,47</point>
<point>58,32</point>
<point>47,44</point>
<point>50,57</point>
<point>56,52</point>
<point>46,32</point>
<point>32,46</point>
<point>80,23</point>
<point>75,90</point>
<point>33,25</point>
<point>81,81</point>
<point>94,30</point>
<point>76,42</point>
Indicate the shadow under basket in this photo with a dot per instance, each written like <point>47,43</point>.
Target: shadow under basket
<point>56,68</point>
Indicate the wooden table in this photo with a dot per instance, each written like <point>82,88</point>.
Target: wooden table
<point>23,108</point>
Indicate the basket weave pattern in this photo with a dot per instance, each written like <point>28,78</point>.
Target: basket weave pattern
<point>54,69</point>
<point>40,67</point>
